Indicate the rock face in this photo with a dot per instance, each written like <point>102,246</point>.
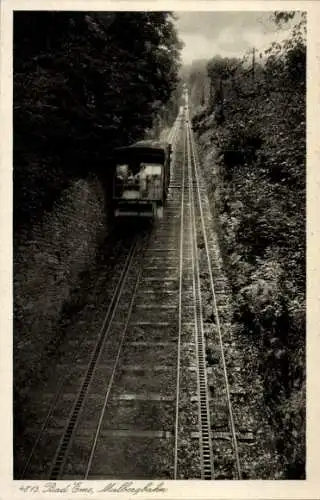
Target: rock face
<point>48,262</point>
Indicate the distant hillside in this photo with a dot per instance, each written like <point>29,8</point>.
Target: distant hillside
<point>196,77</point>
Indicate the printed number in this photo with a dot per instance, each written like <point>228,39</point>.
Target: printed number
<point>29,489</point>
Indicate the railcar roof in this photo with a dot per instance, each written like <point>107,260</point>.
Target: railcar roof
<point>146,145</point>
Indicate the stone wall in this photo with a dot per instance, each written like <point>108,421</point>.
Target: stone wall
<point>48,262</point>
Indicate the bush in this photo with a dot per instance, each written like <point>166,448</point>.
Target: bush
<point>260,197</point>
<point>240,147</point>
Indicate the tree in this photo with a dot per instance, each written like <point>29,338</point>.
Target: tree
<point>83,84</point>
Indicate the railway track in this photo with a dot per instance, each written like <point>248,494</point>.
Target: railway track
<point>140,406</point>
<point>223,435</point>
<point>64,394</point>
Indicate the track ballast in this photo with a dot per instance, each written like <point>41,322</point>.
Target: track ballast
<point>140,405</point>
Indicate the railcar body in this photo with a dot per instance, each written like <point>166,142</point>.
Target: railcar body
<point>141,178</point>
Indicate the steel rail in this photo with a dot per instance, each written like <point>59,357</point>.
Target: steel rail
<point>207,470</point>
<point>106,399</point>
<point>67,375</point>
<point>180,315</point>
<point>62,451</point>
<point>215,307</point>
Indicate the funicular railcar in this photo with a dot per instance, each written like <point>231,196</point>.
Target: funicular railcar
<point>141,178</point>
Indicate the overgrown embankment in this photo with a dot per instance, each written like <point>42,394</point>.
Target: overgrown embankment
<point>49,260</point>
<point>252,143</point>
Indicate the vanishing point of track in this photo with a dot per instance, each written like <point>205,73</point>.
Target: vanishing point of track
<point>140,406</point>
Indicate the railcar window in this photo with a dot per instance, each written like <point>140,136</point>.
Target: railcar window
<point>139,181</point>
<point>151,169</point>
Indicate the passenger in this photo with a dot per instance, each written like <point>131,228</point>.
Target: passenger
<point>157,186</point>
<point>136,179</point>
<point>143,185</point>
<point>148,194</point>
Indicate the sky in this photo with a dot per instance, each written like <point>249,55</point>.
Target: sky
<point>229,34</point>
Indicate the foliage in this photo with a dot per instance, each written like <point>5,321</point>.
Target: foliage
<point>194,75</point>
<point>259,130</point>
<point>222,68</point>
<point>83,83</point>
